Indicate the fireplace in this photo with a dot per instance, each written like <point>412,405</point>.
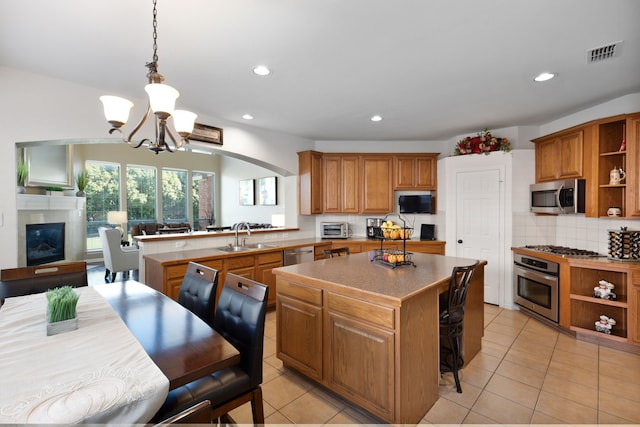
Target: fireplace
<point>45,243</point>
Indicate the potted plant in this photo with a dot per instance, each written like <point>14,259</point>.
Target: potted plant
<point>61,310</point>
<point>82,179</point>
<point>22,172</point>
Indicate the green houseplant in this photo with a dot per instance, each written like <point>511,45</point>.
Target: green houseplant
<point>82,179</point>
<point>61,310</point>
<point>22,172</point>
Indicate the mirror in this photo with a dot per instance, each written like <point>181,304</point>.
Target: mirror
<point>49,165</point>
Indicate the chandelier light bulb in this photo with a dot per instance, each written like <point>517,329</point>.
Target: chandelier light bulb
<point>183,121</point>
<point>162,98</point>
<point>116,109</point>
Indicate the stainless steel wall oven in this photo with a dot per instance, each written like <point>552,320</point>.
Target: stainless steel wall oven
<point>537,286</point>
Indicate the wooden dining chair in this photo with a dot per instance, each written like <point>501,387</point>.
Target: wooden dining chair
<point>240,317</point>
<point>198,291</point>
<point>337,252</point>
<point>452,321</point>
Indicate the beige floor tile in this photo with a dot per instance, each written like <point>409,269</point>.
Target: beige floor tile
<point>467,398</point>
<point>620,407</point>
<point>513,390</point>
<point>571,344</point>
<point>493,349</point>
<point>358,415</point>
<point>501,410</point>
<point>346,417</point>
<point>282,390</point>
<point>243,414</point>
<point>573,373</point>
<point>269,347</point>
<point>521,373</point>
<point>270,329</point>
<point>576,392</point>
<point>504,340</point>
<point>276,418</point>
<point>491,310</point>
<point>529,360</point>
<point>476,419</point>
<point>504,329</point>
<point>620,382</point>
<point>475,376</point>
<point>485,361</point>
<point>540,418</point>
<point>620,358</point>
<point>274,361</point>
<point>512,316</point>
<point>536,342</point>
<point>566,410</point>
<point>606,418</point>
<point>446,412</point>
<point>575,359</point>
<point>309,408</point>
<point>269,372</point>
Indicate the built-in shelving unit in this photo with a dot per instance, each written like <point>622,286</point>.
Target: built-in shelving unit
<point>612,154</point>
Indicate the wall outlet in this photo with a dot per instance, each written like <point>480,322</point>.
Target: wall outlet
<point>180,244</point>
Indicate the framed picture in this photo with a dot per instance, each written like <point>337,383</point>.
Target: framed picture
<point>205,133</point>
<point>267,194</point>
<point>49,165</point>
<point>246,192</point>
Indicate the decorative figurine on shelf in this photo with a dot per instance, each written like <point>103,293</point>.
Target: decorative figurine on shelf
<point>604,290</point>
<point>605,324</point>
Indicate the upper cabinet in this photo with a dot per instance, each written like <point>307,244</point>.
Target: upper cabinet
<point>310,182</point>
<point>415,172</point>
<point>360,183</point>
<point>633,163</point>
<point>560,155</point>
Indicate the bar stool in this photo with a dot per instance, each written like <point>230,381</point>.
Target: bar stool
<point>452,321</point>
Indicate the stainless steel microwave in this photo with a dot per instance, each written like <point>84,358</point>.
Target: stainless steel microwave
<point>558,197</point>
<point>334,230</point>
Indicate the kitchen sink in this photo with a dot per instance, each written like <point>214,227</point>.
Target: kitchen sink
<point>231,248</point>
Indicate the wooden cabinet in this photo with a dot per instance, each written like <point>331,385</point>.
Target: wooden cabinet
<point>633,298</point>
<point>310,183</point>
<point>415,172</point>
<point>264,272</point>
<point>560,155</point>
<point>341,183</point>
<point>361,334</point>
<point>632,141</point>
<point>299,332</point>
<point>377,181</point>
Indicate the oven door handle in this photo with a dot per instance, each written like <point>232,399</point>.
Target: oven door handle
<point>534,274</point>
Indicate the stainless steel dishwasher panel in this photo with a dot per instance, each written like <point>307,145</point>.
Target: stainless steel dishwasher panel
<point>298,255</point>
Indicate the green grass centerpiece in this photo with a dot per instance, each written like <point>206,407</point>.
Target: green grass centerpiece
<point>61,310</point>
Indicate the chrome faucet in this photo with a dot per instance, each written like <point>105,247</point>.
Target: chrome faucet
<point>238,226</point>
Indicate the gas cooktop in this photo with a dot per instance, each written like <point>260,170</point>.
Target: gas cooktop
<point>563,250</point>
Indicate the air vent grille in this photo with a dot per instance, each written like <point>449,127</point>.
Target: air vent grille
<point>603,53</point>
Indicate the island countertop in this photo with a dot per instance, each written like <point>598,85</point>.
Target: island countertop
<point>359,275</point>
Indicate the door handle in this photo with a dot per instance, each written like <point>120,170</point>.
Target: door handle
<point>459,240</point>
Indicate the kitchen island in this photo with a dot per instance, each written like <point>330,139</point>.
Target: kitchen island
<point>370,333</point>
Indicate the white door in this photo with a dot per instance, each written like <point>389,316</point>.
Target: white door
<point>478,224</point>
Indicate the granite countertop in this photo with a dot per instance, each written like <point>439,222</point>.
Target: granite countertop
<point>367,278</point>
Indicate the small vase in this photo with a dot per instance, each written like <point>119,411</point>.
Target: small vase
<point>62,326</point>
<point>80,193</point>
<point>20,189</point>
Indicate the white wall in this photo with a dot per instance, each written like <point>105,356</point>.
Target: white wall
<point>37,108</point>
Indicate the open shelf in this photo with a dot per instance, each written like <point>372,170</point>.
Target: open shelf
<point>617,303</point>
<point>599,335</point>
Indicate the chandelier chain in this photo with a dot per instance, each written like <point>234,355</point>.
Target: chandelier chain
<point>155,32</point>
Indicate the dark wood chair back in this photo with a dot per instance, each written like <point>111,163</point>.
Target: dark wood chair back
<point>36,279</point>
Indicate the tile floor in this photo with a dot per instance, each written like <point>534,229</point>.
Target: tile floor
<point>526,373</point>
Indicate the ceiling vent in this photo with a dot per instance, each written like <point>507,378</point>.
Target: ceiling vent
<point>603,53</point>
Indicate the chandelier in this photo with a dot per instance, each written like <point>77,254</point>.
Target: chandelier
<point>162,100</point>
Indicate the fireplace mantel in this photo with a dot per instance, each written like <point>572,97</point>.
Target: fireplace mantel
<point>26,202</point>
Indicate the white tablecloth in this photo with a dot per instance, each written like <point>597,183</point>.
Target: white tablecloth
<point>98,373</point>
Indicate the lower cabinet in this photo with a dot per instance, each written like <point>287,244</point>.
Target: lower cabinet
<point>264,272</point>
<point>299,315</point>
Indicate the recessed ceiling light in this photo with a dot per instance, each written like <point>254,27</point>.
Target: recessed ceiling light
<point>261,70</point>
<point>376,118</point>
<point>247,116</point>
<point>543,77</point>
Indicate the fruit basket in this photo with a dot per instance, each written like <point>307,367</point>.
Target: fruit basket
<point>391,257</point>
<point>391,231</point>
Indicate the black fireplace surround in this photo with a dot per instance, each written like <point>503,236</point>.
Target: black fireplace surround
<point>45,243</point>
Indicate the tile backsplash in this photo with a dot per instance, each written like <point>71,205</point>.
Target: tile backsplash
<point>575,231</point>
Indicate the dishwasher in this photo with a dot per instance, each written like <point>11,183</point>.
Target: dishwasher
<point>298,255</point>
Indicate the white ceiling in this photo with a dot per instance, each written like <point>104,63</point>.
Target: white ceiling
<point>432,68</point>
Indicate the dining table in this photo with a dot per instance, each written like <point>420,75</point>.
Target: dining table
<point>131,346</point>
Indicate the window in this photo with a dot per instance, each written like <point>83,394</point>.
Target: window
<point>103,195</point>
<point>174,196</point>
<point>203,195</point>
<point>141,194</point>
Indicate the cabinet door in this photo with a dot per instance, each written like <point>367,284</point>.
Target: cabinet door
<point>571,157</point>
<point>299,339</point>
<point>404,168</point>
<point>634,308</point>
<point>331,165</point>
<point>264,274</point>
<point>546,160</point>
<point>426,173</point>
<point>310,182</point>
<point>633,165</point>
<point>349,185</point>
<point>377,181</point>
<point>361,363</point>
